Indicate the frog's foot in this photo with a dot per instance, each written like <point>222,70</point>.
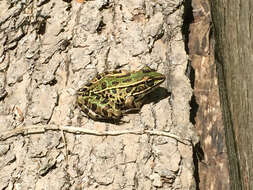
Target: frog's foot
<point>131,110</point>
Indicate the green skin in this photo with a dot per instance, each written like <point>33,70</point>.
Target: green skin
<point>110,95</point>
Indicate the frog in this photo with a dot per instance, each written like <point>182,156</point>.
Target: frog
<point>110,95</point>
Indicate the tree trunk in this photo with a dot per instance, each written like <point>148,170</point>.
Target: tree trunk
<point>233,26</point>
<point>48,50</point>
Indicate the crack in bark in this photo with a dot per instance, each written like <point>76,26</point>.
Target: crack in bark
<point>36,129</point>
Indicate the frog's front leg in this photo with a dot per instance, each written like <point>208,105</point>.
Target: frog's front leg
<point>132,105</point>
<point>99,108</point>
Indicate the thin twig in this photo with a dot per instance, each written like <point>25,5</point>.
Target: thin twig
<point>35,129</point>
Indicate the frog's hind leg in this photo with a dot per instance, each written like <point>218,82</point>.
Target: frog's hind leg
<point>100,108</point>
<point>87,109</point>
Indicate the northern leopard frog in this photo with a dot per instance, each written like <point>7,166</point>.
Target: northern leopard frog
<point>111,94</point>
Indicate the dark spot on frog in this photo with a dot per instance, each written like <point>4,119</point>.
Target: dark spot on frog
<point>127,80</point>
<point>88,84</point>
<point>128,89</point>
<point>105,101</point>
<point>117,106</point>
<point>114,91</point>
<point>114,83</point>
<point>92,93</point>
<point>94,107</point>
<point>104,95</point>
<point>98,77</point>
<point>103,85</point>
<point>85,110</point>
<point>97,97</point>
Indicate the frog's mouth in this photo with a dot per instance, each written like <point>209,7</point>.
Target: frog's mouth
<point>160,80</point>
<point>147,87</point>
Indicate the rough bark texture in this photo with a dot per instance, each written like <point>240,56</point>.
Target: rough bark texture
<point>48,50</point>
<point>233,25</point>
<point>213,165</point>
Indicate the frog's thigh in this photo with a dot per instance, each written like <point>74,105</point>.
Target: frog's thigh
<point>90,109</point>
<point>97,109</point>
<point>90,113</point>
<point>105,110</point>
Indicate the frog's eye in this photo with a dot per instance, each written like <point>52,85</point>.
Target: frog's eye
<point>150,83</point>
<point>146,69</point>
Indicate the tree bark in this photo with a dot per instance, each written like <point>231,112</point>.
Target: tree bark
<point>48,50</point>
<point>213,166</point>
<point>233,55</point>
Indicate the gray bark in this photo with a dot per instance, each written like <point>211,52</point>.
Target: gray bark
<point>48,50</point>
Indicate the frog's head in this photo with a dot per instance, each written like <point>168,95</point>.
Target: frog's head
<point>148,80</point>
<point>151,77</point>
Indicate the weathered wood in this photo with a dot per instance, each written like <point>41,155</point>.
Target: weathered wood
<point>213,168</point>
<point>234,46</point>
